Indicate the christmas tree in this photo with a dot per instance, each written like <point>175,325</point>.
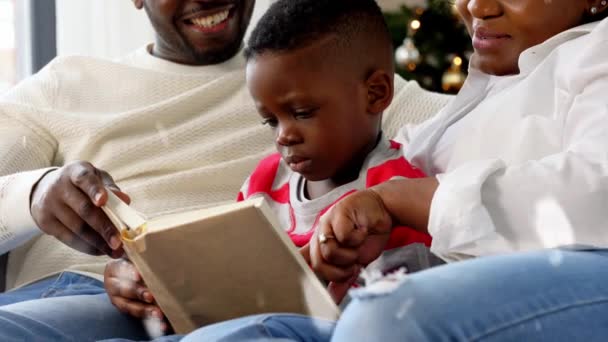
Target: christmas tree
<point>432,45</point>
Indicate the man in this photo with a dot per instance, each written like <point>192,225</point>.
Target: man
<point>171,123</point>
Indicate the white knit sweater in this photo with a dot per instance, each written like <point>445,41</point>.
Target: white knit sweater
<point>174,138</point>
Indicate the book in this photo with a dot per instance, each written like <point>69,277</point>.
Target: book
<point>211,265</point>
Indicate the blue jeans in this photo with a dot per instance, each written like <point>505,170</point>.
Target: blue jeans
<point>553,295</point>
<point>68,307</point>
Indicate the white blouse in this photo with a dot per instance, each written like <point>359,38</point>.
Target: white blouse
<point>527,155</point>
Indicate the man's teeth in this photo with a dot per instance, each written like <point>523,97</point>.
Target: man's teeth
<point>211,20</point>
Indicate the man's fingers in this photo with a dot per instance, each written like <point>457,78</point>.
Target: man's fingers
<point>124,197</point>
<point>122,288</point>
<point>137,309</point>
<point>89,180</point>
<point>129,289</point>
<point>117,253</point>
<point>93,216</point>
<point>67,237</point>
<point>109,183</point>
<point>124,269</point>
<point>76,189</point>
<point>73,222</point>
<point>133,308</point>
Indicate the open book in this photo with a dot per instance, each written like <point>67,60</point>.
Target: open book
<point>220,263</point>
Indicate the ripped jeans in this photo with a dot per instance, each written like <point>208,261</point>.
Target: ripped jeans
<point>552,295</point>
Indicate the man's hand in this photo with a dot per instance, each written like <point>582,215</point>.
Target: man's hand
<point>66,204</point>
<point>128,292</point>
<point>349,236</point>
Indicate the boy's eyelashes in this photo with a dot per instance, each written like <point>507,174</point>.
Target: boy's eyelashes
<point>273,122</point>
<point>303,113</point>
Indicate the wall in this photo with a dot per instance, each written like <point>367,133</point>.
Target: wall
<point>107,28</point>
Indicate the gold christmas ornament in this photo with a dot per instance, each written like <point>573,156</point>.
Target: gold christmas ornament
<point>455,12</point>
<point>453,79</point>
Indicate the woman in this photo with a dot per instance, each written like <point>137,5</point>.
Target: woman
<point>519,161</point>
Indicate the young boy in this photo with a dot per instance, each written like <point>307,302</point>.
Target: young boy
<point>321,74</point>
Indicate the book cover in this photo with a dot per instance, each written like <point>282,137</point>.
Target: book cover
<point>215,264</point>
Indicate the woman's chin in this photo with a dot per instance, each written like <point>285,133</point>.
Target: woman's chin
<point>493,65</point>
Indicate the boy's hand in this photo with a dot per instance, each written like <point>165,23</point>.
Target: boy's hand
<point>305,253</point>
<point>337,291</point>
<point>128,293</point>
<point>349,236</point>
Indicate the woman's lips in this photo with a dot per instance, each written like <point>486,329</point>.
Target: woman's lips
<point>485,39</point>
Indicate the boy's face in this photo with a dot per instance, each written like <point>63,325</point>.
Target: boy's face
<point>317,111</point>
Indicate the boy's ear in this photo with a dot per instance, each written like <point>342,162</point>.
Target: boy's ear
<point>379,91</point>
<point>139,4</point>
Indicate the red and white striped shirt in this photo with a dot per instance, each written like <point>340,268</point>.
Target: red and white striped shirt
<point>283,189</point>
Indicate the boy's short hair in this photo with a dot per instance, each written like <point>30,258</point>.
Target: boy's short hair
<point>357,26</point>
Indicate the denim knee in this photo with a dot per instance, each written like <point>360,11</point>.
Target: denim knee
<point>266,327</point>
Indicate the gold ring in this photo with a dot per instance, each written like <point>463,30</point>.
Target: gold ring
<point>323,238</point>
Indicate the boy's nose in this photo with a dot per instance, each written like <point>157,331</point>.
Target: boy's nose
<point>287,136</point>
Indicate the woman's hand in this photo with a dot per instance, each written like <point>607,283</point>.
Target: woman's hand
<point>128,292</point>
<point>66,203</point>
<point>351,235</point>
<point>355,231</point>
